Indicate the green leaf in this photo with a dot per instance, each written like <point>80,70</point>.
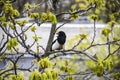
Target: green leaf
<point>73,15</point>
<point>20,22</point>
<point>27,6</point>
<point>54,74</point>
<point>116,75</point>
<point>15,13</point>
<point>106,32</point>
<point>36,38</point>
<point>44,76</point>
<point>111,23</point>
<point>7,8</point>
<point>84,36</point>
<point>45,63</point>
<point>100,3</point>
<point>12,26</point>
<point>94,17</point>
<point>44,16</point>
<point>82,5</point>
<point>4,24</point>
<point>69,78</point>
<point>33,28</point>
<point>25,21</point>
<point>73,6</point>
<point>49,75</point>
<point>52,18</point>
<point>34,15</point>
<point>36,6</point>
<point>12,43</point>
<point>12,77</point>
<point>97,11</point>
<point>2,18</point>
<point>20,76</point>
<point>35,75</point>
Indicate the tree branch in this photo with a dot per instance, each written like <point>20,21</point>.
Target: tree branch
<point>52,32</point>
<point>81,12</point>
<point>71,52</point>
<point>79,73</point>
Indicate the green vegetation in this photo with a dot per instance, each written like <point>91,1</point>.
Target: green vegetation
<point>100,56</point>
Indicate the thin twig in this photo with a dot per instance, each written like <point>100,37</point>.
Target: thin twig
<point>71,52</point>
<point>79,73</point>
<point>94,35</point>
<point>61,25</point>
<point>109,52</point>
<point>77,43</point>
<point>81,12</point>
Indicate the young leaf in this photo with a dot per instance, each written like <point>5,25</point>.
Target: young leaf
<point>36,38</point>
<point>52,18</point>
<point>93,17</point>
<point>111,23</point>
<point>34,15</point>
<point>45,63</point>
<point>106,31</point>
<point>35,75</point>
<point>33,28</point>
<point>44,16</point>
<point>27,6</point>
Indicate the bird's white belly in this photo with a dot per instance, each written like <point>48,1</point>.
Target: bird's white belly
<point>56,46</point>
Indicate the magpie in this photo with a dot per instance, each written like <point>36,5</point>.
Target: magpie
<point>58,43</point>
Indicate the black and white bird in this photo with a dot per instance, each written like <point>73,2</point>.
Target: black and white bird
<point>53,4</point>
<point>58,43</point>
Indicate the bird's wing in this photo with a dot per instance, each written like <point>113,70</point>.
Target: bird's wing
<point>56,45</point>
<point>54,41</point>
<point>52,44</point>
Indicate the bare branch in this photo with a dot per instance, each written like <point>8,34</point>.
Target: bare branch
<point>81,12</point>
<point>71,52</point>
<point>12,1</point>
<point>61,25</point>
<point>7,74</point>
<point>107,43</point>
<point>79,73</point>
<point>6,71</point>
<point>77,43</point>
<point>2,40</point>
<point>3,46</point>
<point>94,35</point>
<point>112,53</point>
<point>23,31</point>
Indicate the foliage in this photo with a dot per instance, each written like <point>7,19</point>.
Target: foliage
<point>12,43</point>
<point>98,55</point>
<point>44,63</point>
<point>35,75</point>
<point>106,32</point>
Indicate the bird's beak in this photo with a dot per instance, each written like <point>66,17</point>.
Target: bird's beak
<point>57,33</point>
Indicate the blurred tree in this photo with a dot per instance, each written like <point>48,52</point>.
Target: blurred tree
<point>46,64</point>
<point>111,8</point>
<point>19,5</point>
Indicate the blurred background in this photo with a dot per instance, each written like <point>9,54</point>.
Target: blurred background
<point>109,12</point>
<point>81,25</point>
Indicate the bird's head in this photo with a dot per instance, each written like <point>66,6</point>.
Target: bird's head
<point>61,34</point>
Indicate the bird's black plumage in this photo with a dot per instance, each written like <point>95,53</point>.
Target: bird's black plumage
<point>61,37</point>
<point>55,3</point>
<point>59,42</point>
